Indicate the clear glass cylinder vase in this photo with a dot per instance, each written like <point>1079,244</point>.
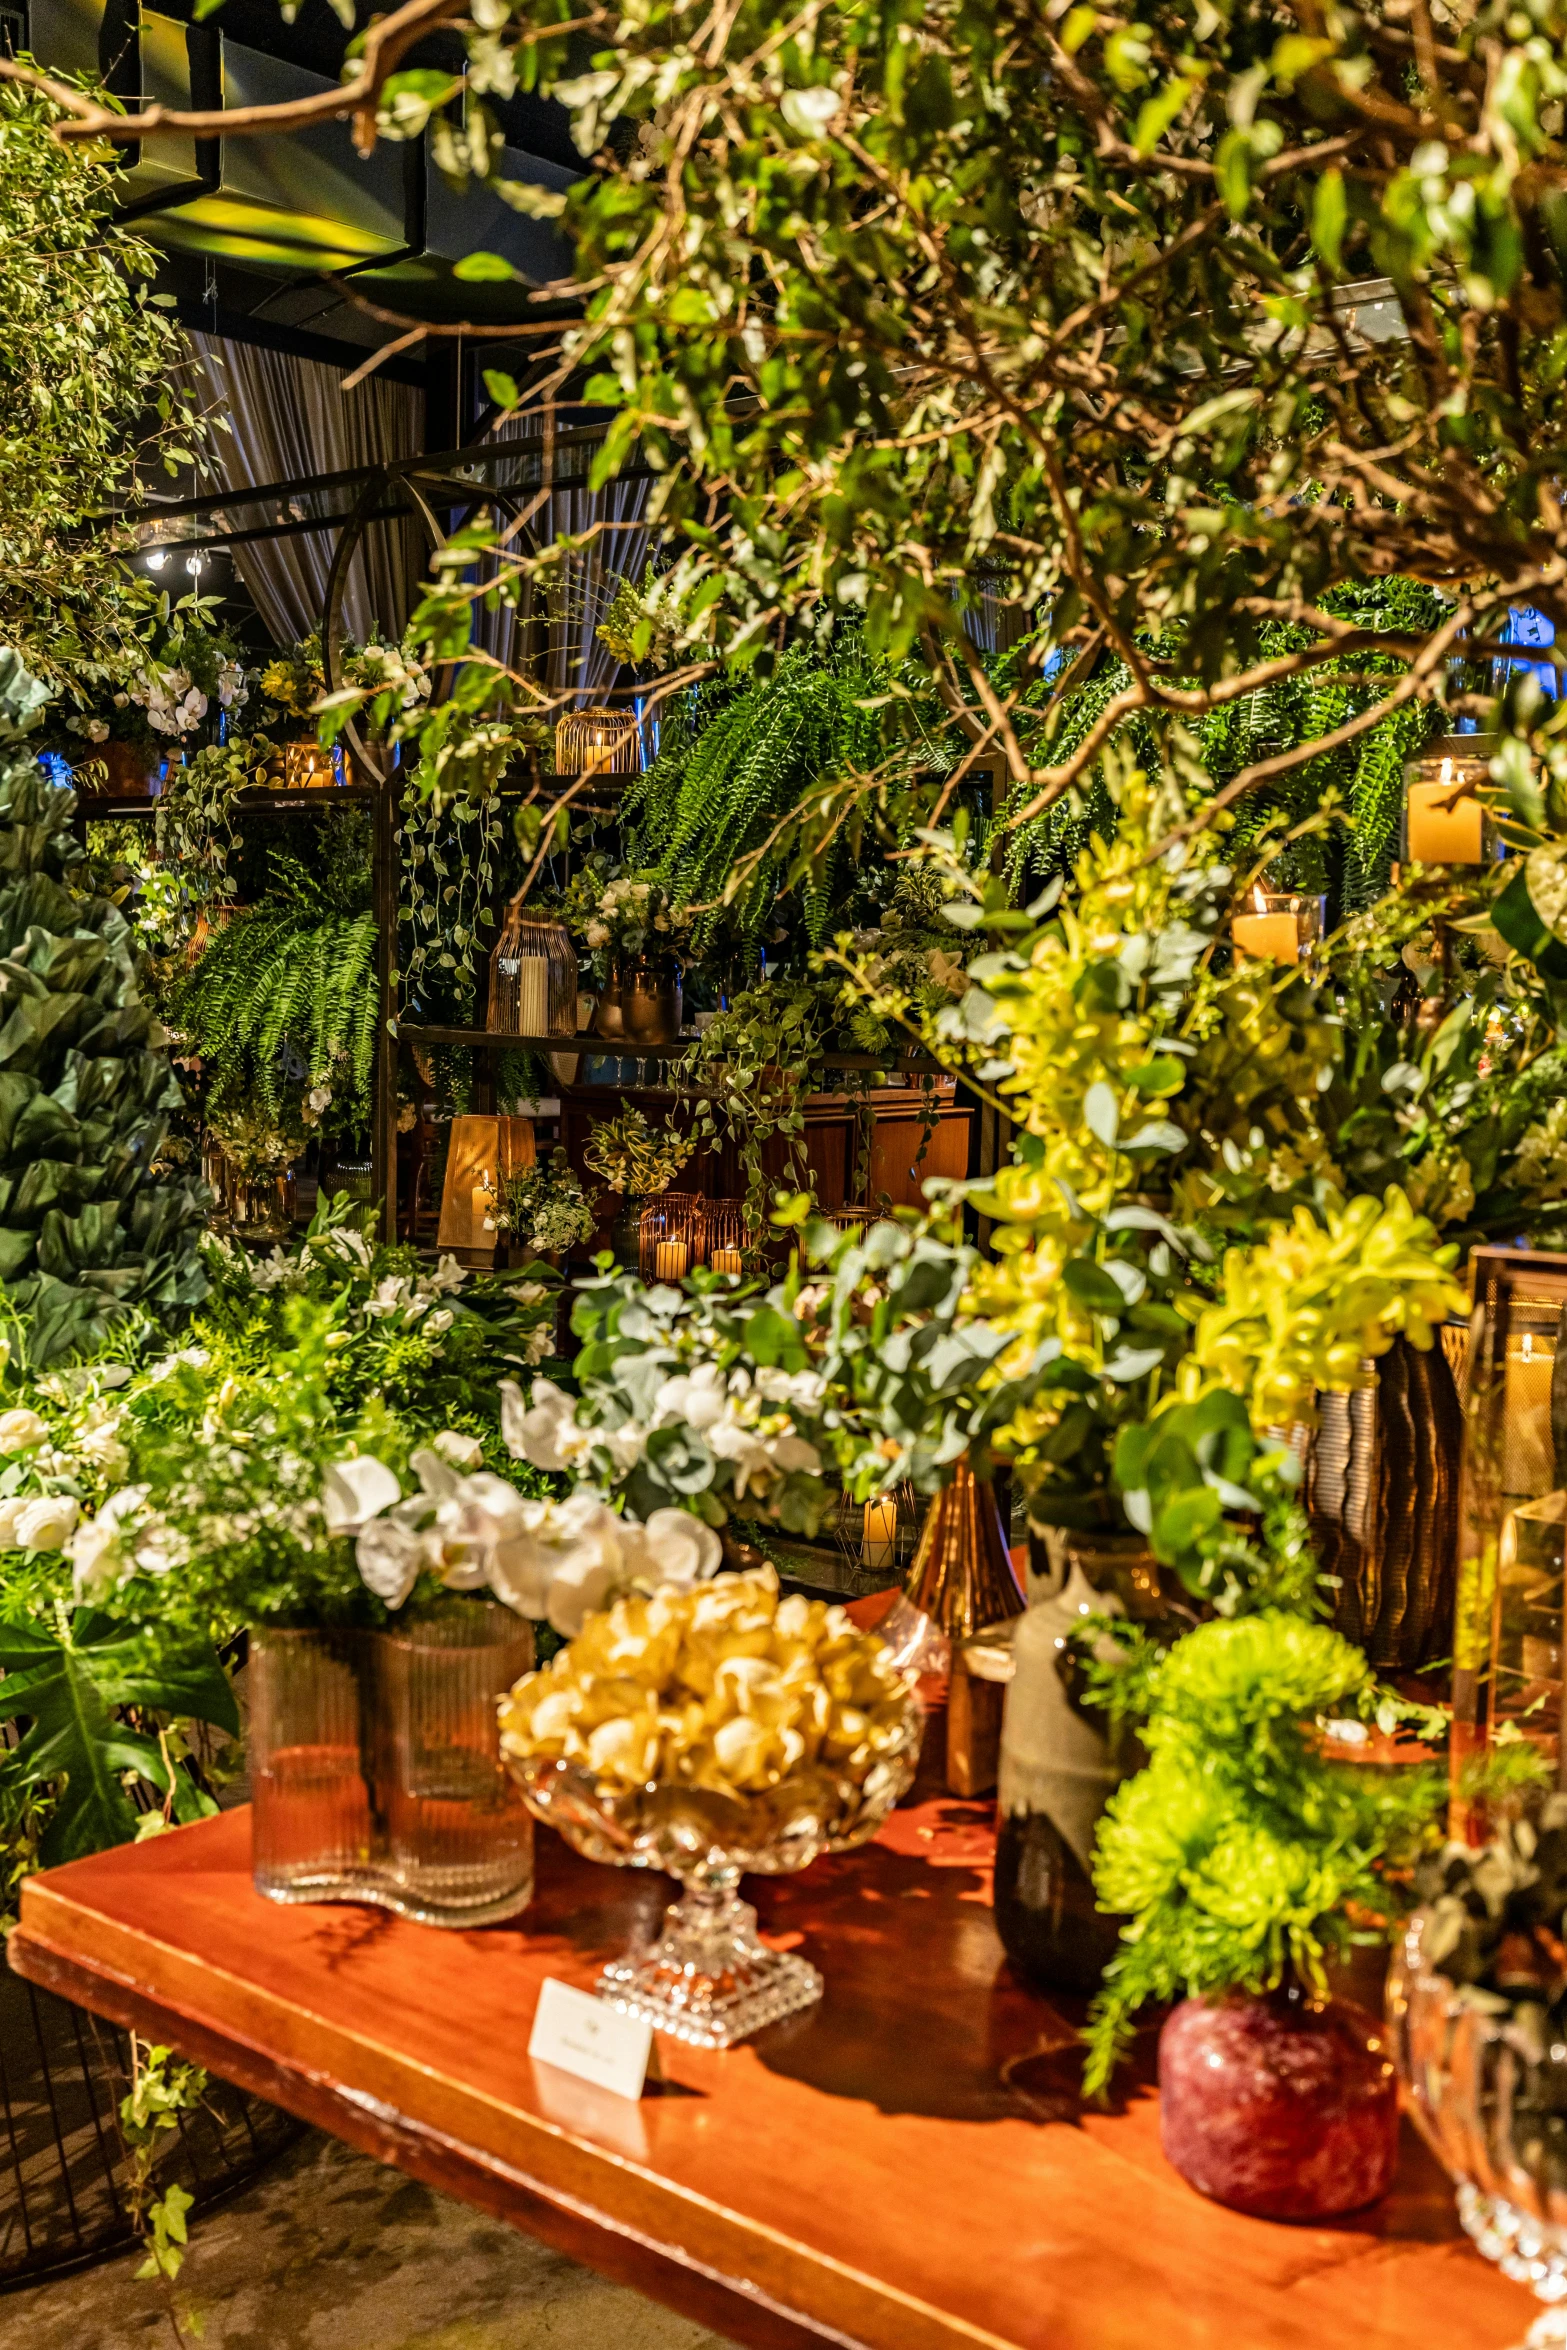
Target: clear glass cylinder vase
<point>376,1768</point>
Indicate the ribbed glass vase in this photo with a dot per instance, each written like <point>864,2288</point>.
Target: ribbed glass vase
<point>376,1770</point>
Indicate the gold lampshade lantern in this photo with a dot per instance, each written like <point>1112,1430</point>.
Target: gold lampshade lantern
<point>533,977</point>
<point>722,1235</point>
<point>667,1236</point>
<point>482,1153</point>
<point>598,742</point>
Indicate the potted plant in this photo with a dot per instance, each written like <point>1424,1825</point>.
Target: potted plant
<point>541,1210</point>
<point>638,1161</point>
<point>629,925</point>
<point>1245,1856</point>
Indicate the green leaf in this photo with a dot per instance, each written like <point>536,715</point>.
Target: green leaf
<point>1101,1115</point>
<point>1328,216</point>
<point>501,387</point>
<point>485,269</point>
<point>68,1688</point>
<point>1092,1287</point>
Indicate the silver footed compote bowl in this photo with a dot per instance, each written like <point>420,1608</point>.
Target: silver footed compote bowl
<point>1490,2097</point>
<point>710,1979</point>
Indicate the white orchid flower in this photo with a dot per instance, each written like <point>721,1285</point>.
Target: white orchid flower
<point>461,1452</point>
<point>543,1431</point>
<point>356,1491</point>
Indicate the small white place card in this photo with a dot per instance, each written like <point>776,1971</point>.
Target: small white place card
<point>586,2036</point>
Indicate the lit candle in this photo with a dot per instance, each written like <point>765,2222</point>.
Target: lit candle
<point>670,1259</point>
<point>1439,834</point>
<point>1528,1454</point>
<point>1267,937</point>
<point>879,1546</point>
<point>481,1209</point>
<point>726,1260</point>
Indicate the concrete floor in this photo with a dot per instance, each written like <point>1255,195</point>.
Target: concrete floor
<point>329,2251</point>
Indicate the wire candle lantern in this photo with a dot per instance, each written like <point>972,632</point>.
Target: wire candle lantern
<point>667,1236</point>
<point>533,977</point>
<point>598,742</point>
<point>722,1236</point>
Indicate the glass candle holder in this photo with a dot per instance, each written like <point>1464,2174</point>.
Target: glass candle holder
<point>1279,926</point>
<point>1444,821</point>
<point>1508,1629</point>
<point>310,766</point>
<point>376,1768</point>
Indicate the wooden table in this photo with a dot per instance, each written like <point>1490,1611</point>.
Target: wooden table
<point>906,2166</point>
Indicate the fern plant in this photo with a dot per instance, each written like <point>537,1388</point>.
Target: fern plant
<point>735,765</point>
<point>1367,773</point>
<point>284,1001</point>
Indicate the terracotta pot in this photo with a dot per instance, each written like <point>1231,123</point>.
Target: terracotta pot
<point>1279,2106</point>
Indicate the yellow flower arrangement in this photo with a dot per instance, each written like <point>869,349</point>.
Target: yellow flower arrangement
<point>726,1687</point>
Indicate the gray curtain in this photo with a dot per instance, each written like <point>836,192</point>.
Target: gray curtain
<point>292,420</point>
<point>553,634</point>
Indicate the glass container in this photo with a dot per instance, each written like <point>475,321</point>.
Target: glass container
<point>667,1236</point>
<point>1489,2107</point>
<point>710,1979</point>
<point>376,1767</point>
<point>533,977</point>
<point>309,766</point>
<point>598,742</point>
<point>1279,926</point>
<point>1444,822</point>
<point>1507,1636</point>
<point>652,1000</point>
<point>261,1207</point>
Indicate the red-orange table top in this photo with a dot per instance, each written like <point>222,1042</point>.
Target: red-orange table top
<point>904,2166</point>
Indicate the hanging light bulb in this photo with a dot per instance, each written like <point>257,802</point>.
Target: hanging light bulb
<point>157,559</point>
<point>196,564</point>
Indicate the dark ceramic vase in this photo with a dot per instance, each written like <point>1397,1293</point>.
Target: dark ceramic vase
<point>1051,1928</point>
<point>1279,2106</point>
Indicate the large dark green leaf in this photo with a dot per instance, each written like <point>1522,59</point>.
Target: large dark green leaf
<point>68,1688</point>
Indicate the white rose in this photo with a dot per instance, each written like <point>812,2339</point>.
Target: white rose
<point>11,1509</point>
<point>21,1429</point>
<point>46,1523</point>
<point>463,1452</point>
<point>355,1491</point>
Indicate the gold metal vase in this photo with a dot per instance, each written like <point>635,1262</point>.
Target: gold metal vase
<point>961,1580</point>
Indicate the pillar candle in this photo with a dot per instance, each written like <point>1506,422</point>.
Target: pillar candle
<point>1437,835</point>
<point>1268,938</point>
<point>879,1545</point>
<point>533,1014</point>
<point>481,1208</point>
<point>726,1260</point>
<point>1528,1455</point>
<point>670,1258</point>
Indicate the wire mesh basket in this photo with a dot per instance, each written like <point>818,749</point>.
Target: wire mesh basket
<point>62,2076</point>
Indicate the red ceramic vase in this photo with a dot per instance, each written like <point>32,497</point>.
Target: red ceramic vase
<point>1279,2106</point>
